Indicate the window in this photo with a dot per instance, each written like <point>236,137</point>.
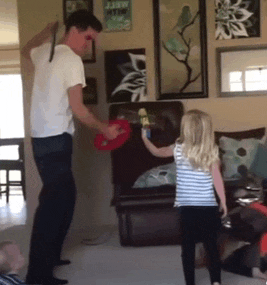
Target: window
<point>255,79</point>
<point>249,80</point>
<point>11,106</point>
<point>235,80</point>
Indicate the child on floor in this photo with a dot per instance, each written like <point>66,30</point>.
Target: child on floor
<point>11,261</point>
<point>197,170</point>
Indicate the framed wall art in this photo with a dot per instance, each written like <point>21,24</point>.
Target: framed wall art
<point>117,15</point>
<point>126,79</point>
<point>237,19</point>
<point>180,49</point>
<point>70,6</point>
<point>90,91</point>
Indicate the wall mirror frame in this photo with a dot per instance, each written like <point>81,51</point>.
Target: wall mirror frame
<point>241,71</point>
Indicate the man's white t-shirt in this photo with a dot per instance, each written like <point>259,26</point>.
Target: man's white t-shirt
<point>50,110</point>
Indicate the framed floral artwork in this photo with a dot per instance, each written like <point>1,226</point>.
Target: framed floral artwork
<point>70,6</point>
<point>126,75</point>
<point>180,49</point>
<point>237,19</point>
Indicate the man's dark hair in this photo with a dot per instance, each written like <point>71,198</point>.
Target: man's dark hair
<point>82,20</point>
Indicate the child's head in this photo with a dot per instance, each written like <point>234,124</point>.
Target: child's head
<point>11,259</point>
<point>196,128</point>
<point>197,138</point>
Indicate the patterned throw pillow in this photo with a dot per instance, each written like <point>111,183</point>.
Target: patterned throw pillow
<point>259,165</point>
<point>238,155</point>
<point>158,176</point>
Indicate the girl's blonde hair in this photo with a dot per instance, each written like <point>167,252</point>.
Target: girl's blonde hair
<point>197,139</point>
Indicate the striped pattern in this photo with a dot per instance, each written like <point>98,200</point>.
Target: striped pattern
<point>193,187</point>
<point>11,279</point>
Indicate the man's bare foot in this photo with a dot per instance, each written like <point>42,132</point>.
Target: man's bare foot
<point>256,273</point>
<point>216,283</point>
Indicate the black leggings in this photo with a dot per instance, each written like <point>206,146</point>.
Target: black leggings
<point>200,224</point>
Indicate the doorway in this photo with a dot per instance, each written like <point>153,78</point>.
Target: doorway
<point>11,126</point>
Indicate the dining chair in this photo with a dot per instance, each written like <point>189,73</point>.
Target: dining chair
<point>11,159</point>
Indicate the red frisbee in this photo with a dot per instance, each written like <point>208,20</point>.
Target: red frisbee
<point>102,143</point>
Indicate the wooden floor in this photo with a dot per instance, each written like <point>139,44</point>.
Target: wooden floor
<point>14,213</point>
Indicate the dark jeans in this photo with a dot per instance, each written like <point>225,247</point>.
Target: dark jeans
<point>56,203</point>
<point>200,224</point>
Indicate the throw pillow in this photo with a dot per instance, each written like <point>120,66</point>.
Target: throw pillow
<point>237,155</point>
<point>259,164</point>
<point>158,176</point>
<point>241,135</point>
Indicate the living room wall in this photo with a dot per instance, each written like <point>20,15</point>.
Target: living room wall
<point>93,168</point>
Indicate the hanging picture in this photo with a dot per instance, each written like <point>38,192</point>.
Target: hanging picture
<point>70,6</point>
<point>237,19</point>
<point>90,91</point>
<point>117,15</point>
<point>180,49</point>
<point>126,75</point>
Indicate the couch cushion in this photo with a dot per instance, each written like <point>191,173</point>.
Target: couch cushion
<point>259,165</point>
<point>157,176</point>
<point>238,150</point>
<point>237,156</point>
<point>133,159</point>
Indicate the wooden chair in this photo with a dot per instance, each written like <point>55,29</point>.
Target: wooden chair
<point>13,164</point>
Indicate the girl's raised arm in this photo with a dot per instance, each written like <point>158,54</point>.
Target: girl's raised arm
<point>160,152</point>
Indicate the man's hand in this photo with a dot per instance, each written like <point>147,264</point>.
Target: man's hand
<point>52,26</point>
<point>112,131</point>
<point>40,38</point>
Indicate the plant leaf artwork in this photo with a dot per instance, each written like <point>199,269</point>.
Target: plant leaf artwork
<point>131,81</point>
<point>179,47</point>
<point>184,18</point>
<point>237,19</point>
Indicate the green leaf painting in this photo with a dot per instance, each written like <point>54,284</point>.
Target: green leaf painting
<point>185,17</point>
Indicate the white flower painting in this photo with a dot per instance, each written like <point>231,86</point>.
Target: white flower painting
<point>237,19</point>
<point>126,75</point>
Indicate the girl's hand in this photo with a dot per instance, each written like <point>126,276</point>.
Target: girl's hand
<point>223,208</point>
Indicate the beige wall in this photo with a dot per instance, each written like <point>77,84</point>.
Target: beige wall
<point>9,60</point>
<point>92,168</point>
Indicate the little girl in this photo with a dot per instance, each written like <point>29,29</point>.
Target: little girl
<point>197,170</point>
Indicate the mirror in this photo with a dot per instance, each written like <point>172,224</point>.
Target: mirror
<point>242,71</point>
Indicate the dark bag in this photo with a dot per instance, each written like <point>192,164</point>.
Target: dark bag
<point>247,224</point>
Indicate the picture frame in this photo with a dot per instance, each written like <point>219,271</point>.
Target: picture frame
<point>90,91</point>
<point>244,19</point>
<point>117,15</point>
<point>126,79</point>
<point>70,6</point>
<point>180,49</point>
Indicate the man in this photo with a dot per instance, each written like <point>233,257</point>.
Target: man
<point>56,98</point>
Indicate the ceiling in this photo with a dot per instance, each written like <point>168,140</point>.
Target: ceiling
<point>9,35</point>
